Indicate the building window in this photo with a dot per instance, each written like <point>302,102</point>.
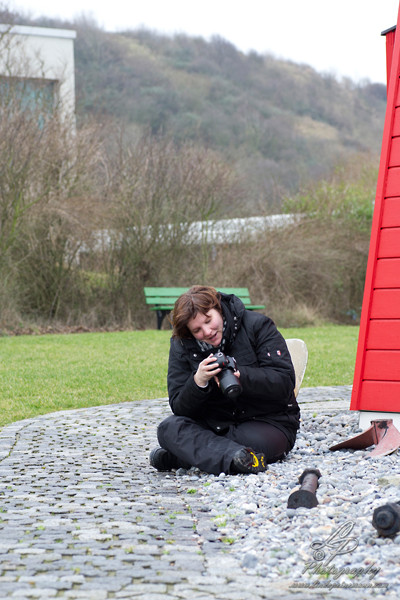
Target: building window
<point>28,94</point>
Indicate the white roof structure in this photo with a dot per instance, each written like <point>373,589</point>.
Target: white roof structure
<point>223,231</point>
<point>231,230</point>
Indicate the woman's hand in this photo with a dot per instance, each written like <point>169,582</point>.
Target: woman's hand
<point>236,374</point>
<point>206,370</point>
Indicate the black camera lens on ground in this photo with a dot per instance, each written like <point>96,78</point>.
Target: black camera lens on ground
<point>229,383</point>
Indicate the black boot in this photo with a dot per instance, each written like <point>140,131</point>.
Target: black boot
<point>246,460</point>
<point>162,460</point>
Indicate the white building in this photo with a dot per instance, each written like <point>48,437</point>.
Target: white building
<point>43,58</point>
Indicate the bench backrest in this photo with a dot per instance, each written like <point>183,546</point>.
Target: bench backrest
<point>166,296</point>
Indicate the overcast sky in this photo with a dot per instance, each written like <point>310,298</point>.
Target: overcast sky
<point>342,38</point>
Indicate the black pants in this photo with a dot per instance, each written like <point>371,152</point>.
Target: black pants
<point>196,445</point>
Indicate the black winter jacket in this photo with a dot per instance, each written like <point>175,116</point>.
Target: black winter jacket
<point>266,374</point>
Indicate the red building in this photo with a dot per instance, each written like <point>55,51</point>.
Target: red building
<point>376,385</point>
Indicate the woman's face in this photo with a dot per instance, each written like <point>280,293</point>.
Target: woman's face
<point>207,327</point>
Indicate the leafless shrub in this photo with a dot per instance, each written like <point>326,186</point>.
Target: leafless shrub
<point>45,177</point>
<point>156,190</point>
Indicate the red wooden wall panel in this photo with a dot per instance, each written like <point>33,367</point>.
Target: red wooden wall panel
<point>389,243</point>
<point>394,160</point>
<point>384,333</point>
<point>397,100</point>
<point>391,214</point>
<point>382,365</point>
<point>387,273</point>
<point>396,122</point>
<point>393,182</point>
<point>385,304</point>
<point>377,395</point>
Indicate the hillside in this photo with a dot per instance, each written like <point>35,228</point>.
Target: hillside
<point>278,123</point>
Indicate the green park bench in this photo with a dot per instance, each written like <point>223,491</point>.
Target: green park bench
<point>162,299</point>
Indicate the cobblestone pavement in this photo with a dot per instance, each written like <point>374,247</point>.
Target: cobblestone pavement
<point>83,515</point>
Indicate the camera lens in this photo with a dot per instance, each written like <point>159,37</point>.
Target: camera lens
<point>230,385</point>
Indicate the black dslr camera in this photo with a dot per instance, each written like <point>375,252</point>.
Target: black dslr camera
<point>229,383</point>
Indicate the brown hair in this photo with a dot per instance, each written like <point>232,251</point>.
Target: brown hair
<point>198,299</point>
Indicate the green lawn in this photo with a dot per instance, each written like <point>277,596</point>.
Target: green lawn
<point>40,374</point>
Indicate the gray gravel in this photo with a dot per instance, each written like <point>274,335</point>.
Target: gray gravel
<point>83,515</point>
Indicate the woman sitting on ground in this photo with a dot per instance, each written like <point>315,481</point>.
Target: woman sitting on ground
<point>214,430</point>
